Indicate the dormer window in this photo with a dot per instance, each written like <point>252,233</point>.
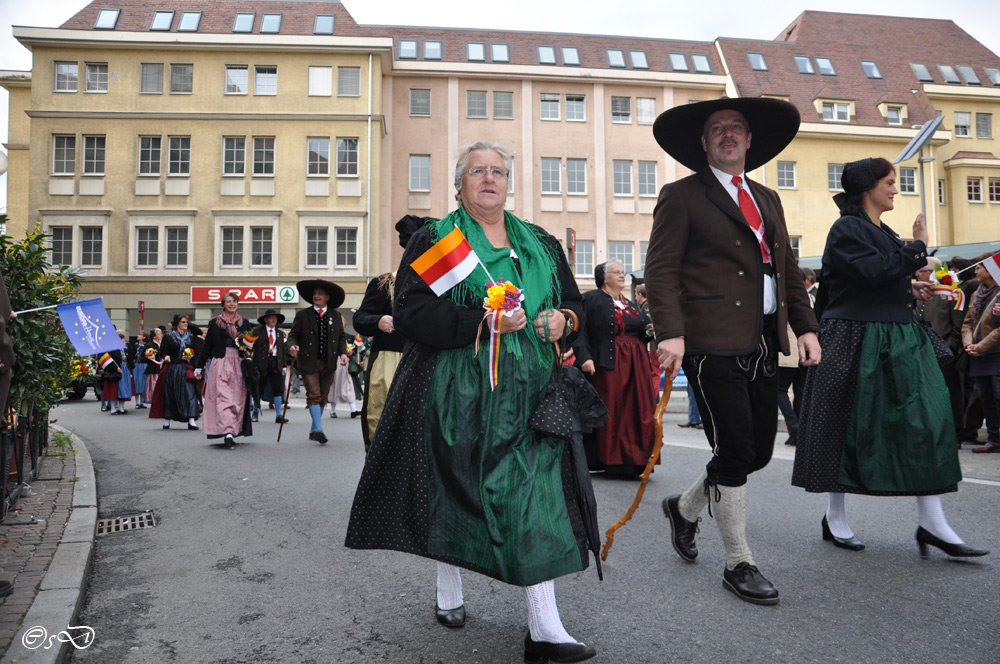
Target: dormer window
<point>407,49</point>
<point>804,64</point>
<point>894,115</point>
<point>757,62</point>
<point>270,23</point>
<point>323,25</point>
<point>616,57</point>
<point>678,62</point>
<point>499,53</point>
<point>432,50</point>
<point>871,70</point>
<point>825,67</point>
<point>476,52</point>
<point>546,55</point>
<point>921,72</point>
<point>571,56</point>
<point>994,74</point>
<point>836,111</point>
<point>244,22</point>
<point>638,59</point>
<point>107,19</point>
<point>162,20</point>
<point>969,75</point>
<point>701,64</point>
<point>948,74</point>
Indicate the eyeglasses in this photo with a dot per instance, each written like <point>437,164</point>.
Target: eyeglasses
<point>615,272</point>
<point>481,171</point>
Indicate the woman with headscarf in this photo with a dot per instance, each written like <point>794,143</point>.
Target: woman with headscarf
<point>454,472</point>
<point>227,409</point>
<point>611,351</point>
<point>981,337</point>
<point>175,397</point>
<point>874,420</point>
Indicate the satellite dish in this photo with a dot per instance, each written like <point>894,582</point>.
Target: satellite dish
<point>922,138</point>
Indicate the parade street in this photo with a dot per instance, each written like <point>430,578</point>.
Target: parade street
<point>246,563</point>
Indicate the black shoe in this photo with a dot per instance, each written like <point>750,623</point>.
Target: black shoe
<point>318,436</point>
<point>281,420</point>
<point>851,543</point>
<point>166,426</point>
<point>229,443</point>
<point>356,413</point>
<point>105,409</point>
<point>925,537</point>
<point>192,427</point>
<point>140,406</point>
<point>682,531</point>
<point>270,406</point>
<point>333,413</point>
<point>253,416</point>
<point>747,583</point>
<point>451,617</point>
<point>539,652</point>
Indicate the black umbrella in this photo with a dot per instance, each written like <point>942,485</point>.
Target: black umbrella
<point>251,377</point>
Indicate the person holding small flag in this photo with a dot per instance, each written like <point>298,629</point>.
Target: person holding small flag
<point>117,379</point>
<point>454,472</point>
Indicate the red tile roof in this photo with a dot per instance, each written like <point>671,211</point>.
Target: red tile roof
<point>964,154</point>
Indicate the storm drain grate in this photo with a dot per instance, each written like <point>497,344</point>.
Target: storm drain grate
<point>120,524</point>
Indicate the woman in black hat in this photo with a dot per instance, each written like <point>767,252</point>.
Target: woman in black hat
<point>175,397</point>
<point>874,420</point>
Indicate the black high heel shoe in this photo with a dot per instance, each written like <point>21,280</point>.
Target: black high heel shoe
<point>851,543</point>
<point>540,652</point>
<point>925,537</point>
<point>451,617</point>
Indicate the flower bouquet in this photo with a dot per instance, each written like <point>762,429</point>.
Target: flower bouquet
<point>502,299</point>
<point>150,352</point>
<point>946,285</point>
<point>245,342</point>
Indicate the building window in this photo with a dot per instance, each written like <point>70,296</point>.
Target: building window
<point>621,251</point>
<point>147,249</point>
<point>91,246</point>
<point>320,81</point>
<point>678,62</point>
<point>420,103</point>
<point>432,50</point>
<point>107,19</point>
<point>968,75</point>
<point>63,155</point>
<point>261,247</point>
<point>67,74</point>
<point>319,156</point>
<point>623,177</point>
<point>871,69</point>
<point>234,155</point>
<point>994,74</point>
<point>549,106</point>
<point>907,180</point>
<point>645,110</point>
<point>62,245</point>
<point>503,106</point>
<point>347,247</point>
<point>475,104</point>
<point>701,64</point>
<point>96,77</point>
<point>786,175</point>
<point>570,56</point>
<point>963,123</point>
<point>551,176</point>
<point>177,247</point>
<point>149,155</point>
<point>420,172</point>
<point>984,125</point>
<point>584,263</point>
<point>940,193</point>
<point>265,80</point>
<point>894,115</point>
<point>189,22</point>
<point>921,72</point>
<point>93,155</point>
<point>546,55</point>
<point>638,59</point>
<point>994,190</point>
<point>757,62</point>
<point>151,78</point>
<point>833,175</point>
<point>476,52</point>
<point>179,157</point>
<point>244,22</point>
<point>836,111</point>
<point>509,165</point>
<point>616,57</point>
<point>795,243</point>
<point>948,74</point>
<point>162,20</point>
<point>181,78</point>
<point>804,64</point>
<point>324,24</point>
<point>348,81</point>
<point>576,176</point>
<point>347,157</point>
<point>825,66</point>
<point>407,49</point>
<point>499,53</point>
<point>270,23</point>
<point>974,187</point>
<point>263,155</point>
<point>643,249</point>
<point>236,79</point>
<point>621,110</point>
<point>232,246</point>
<point>576,108</point>
<point>316,247</point>
<point>647,178</point>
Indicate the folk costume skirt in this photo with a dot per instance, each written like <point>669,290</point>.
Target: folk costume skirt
<point>226,397</point>
<point>875,416</point>
<point>174,397</point>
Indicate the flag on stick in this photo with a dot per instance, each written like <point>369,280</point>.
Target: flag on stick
<point>447,263</point>
<point>89,327</point>
<point>106,361</point>
<point>992,265</point>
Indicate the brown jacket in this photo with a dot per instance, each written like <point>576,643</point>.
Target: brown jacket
<point>704,275</point>
<point>305,335</point>
<point>989,331</point>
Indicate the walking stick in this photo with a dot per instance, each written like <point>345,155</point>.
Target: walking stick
<point>284,404</point>
<point>657,445</point>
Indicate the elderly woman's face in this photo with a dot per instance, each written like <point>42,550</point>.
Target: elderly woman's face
<point>230,304</point>
<point>485,191</point>
<point>614,277</point>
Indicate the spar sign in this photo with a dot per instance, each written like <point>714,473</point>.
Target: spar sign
<point>282,294</point>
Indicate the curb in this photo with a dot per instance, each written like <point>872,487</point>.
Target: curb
<point>60,594</point>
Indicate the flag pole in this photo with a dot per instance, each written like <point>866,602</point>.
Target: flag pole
<point>28,311</point>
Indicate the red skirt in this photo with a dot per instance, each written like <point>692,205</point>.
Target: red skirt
<point>626,439</point>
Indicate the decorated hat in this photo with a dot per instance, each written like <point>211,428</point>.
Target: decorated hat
<point>772,122</point>
<point>307,286</point>
<point>275,312</point>
<point>857,178</point>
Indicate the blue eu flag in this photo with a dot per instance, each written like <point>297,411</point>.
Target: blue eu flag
<point>89,327</point>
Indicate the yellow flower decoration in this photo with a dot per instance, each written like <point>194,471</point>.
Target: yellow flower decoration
<point>495,297</point>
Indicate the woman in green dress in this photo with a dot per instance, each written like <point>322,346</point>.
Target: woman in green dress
<point>454,473</point>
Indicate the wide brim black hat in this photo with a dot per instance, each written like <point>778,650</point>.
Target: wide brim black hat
<point>275,312</point>
<point>773,124</point>
<point>307,286</point>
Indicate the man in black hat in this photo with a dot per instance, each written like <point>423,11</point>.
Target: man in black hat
<point>269,357</point>
<point>723,284</point>
<point>316,341</point>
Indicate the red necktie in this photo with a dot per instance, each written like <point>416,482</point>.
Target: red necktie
<point>749,211</point>
<point>270,336</point>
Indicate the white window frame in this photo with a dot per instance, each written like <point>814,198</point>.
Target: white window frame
<point>315,146</point>
<point>963,124</point>
<point>621,117</point>
<point>420,173</point>
<point>576,177</point>
<point>416,103</point>
<point>648,187</point>
<point>264,154</point>
<point>352,167</point>
<point>974,189</point>
<point>477,104</point>
<point>237,80</point>
<point>341,234</point>
<point>254,252</point>
<point>177,75</point>
<point>907,180</point>
<point>320,81</point>
<point>894,115</point>
<point>941,193</point>
<point>237,166</point>
<point>993,190</point>
<point>76,223</point>
<point>183,166</point>
<point>503,105</point>
<point>786,175</point>
<point>95,78</point>
<point>645,110</point>
<point>583,263</point>
<point>836,108</point>
<point>153,144</point>
<point>103,149</point>
<point>549,106</point>
<point>147,71</point>
<point>265,80</point>
<point>229,236</point>
<point>330,222</point>
<point>834,172</point>
<point>577,103</point>
<point>348,81</point>
<point>59,165</point>
<point>984,125</point>
<point>622,176</point>
<point>67,80</point>
<point>550,165</point>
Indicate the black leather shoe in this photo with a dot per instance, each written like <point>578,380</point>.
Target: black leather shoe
<point>539,652</point>
<point>851,543</point>
<point>229,442</point>
<point>281,420</point>
<point>192,427</point>
<point>318,436</point>
<point>747,583</point>
<point>355,413</point>
<point>682,531</point>
<point>451,617</point>
<point>253,416</point>
<point>925,537</point>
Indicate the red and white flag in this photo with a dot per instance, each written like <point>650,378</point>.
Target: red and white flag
<point>992,265</point>
<point>447,263</point>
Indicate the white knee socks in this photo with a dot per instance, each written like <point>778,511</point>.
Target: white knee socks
<point>836,516</point>
<point>932,519</point>
<point>543,614</point>
<point>730,510</point>
<point>693,501</point>
<point>449,587</point>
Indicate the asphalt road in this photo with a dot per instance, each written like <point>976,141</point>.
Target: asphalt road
<point>246,563</point>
